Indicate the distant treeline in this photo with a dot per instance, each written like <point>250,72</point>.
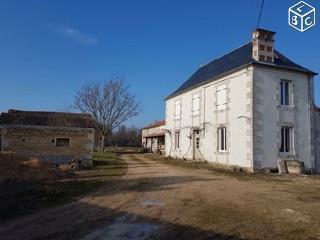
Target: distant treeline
<point>122,137</point>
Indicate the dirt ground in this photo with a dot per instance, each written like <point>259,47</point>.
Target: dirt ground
<point>160,200</point>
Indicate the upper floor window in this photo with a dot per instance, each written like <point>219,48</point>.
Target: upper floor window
<point>284,92</point>
<point>196,104</point>
<point>222,139</point>
<point>286,140</point>
<point>177,110</point>
<point>222,97</point>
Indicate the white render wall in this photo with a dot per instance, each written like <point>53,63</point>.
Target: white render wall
<point>317,138</point>
<point>269,116</point>
<point>236,118</point>
<point>253,119</point>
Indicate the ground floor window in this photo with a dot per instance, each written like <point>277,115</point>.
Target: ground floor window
<point>286,139</point>
<point>222,139</point>
<point>63,142</point>
<point>177,140</point>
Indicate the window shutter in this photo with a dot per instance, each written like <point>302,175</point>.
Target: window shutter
<point>196,104</point>
<point>177,110</point>
<point>222,97</point>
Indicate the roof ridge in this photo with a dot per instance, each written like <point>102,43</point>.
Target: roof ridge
<point>234,49</point>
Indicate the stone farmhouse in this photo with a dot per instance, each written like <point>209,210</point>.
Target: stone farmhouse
<point>252,108</point>
<point>54,137</point>
<point>153,137</point>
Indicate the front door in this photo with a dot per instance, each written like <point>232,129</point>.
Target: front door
<point>196,145</point>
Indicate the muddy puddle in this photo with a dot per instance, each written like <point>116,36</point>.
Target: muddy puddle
<point>121,229</point>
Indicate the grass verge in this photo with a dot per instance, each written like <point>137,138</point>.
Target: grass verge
<point>19,197</point>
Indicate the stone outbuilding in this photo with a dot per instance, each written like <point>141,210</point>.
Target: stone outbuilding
<point>54,137</point>
<point>153,137</point>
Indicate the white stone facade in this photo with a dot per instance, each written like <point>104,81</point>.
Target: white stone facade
<point>252,117</point>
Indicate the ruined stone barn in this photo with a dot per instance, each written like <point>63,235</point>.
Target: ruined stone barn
<point>54,137</point>
<point>251,108</point>
<point>153,137</point>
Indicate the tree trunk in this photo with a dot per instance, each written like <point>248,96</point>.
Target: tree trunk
<point>102,143</point>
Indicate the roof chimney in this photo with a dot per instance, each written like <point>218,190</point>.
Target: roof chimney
<point>262,45</point>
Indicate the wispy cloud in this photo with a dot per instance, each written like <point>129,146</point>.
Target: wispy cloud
<point>75,35</point>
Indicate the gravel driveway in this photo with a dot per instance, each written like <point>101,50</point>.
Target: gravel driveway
<point>157,200</point>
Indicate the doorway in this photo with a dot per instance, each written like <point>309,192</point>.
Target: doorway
<point>196,145</point>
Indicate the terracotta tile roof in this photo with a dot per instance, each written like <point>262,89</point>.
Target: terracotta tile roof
<point>155,124</point>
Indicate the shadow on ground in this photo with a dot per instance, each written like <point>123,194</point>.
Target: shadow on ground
<point>75,221</point>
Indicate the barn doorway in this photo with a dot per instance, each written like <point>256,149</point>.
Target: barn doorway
<point>196,144</point>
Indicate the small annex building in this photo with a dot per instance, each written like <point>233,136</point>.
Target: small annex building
<point>54,137</point>
<point>153,137</point>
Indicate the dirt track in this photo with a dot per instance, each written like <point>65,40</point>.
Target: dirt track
<point>161,201</point>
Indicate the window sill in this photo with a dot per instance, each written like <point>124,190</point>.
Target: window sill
<point>286,155</point>
<point>286,108</point>
<point>222,152</point>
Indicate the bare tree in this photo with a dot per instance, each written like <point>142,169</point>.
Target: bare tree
<point>110,103</point>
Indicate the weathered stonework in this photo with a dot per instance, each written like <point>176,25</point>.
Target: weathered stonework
<point>40,142</point>
<point>39,134</point>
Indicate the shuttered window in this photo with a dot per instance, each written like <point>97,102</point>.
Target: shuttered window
<point>177,110</point>
<point>222,97</point>
<point>196,105</point>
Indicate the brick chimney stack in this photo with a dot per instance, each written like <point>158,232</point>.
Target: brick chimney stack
<point>262,45</point>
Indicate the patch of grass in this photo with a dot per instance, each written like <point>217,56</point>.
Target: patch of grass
<point>22,197</point>
<point>106,166</point>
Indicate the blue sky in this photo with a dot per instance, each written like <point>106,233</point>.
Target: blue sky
<point>48,49</point>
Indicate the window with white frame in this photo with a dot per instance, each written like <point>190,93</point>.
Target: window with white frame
<point>222,97</point>
<point>177,140</point>
<point>284,92</point>
<point>222,139</point>
<point>196,104</point>
<point>286,141</point>
<point>177,110</point>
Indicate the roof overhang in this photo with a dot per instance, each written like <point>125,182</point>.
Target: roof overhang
<point>154,135</point>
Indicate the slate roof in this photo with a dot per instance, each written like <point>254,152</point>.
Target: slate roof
<point>232,61</point>
<point>41,118</point>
